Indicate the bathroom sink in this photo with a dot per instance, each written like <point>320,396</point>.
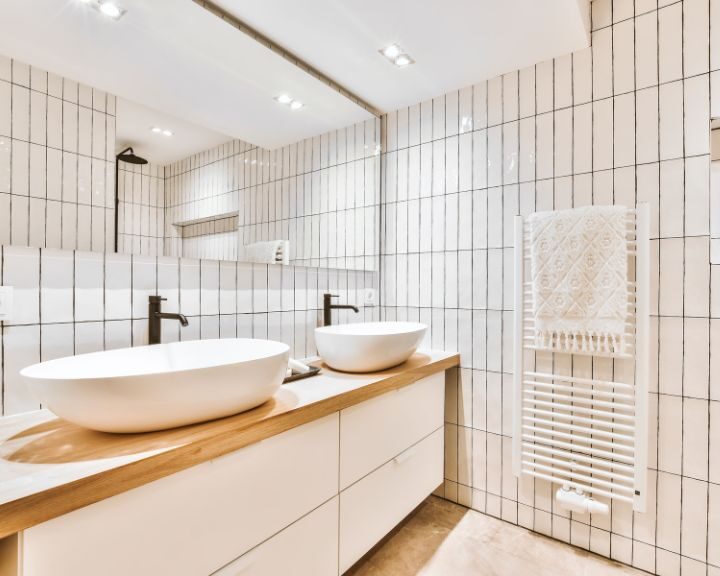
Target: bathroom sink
<point>163,386</point>
<point>368,346</point>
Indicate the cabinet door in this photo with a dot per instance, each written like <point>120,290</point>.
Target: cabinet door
<point>377,430</point>
<point>372,507</point>
<point>196,521</point>
<point>309,547</point>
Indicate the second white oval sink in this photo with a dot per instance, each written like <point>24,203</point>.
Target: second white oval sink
<point>163,386</point>
<point>368,346</point>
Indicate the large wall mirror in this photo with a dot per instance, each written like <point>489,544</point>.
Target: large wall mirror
<point>231,152</point>
<point>184,190</point>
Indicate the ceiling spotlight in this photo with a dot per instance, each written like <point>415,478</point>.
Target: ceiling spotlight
<point>167,132</point>
<point>296,105</point>
<point>111,10</point>
<point>403,60</point>
<point>284,99</point>
<point>391,52</point>
<point>156,129</point>
<point>396,55</point>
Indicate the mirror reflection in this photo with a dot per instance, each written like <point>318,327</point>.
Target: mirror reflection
<point>183,190</point>
<point>83,169</point>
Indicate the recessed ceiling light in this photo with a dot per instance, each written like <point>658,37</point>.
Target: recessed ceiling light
<point>111,10</point>
<point>296,105</point>
<point>396,55</point>
<point>167,132</point>
<point>156,129</point>
<point>392,51</point>
<point>284,99</point>
<point>403,60</point>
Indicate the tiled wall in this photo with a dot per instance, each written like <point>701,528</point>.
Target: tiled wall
<point>321,194</point>
<point>217,237</point>
<point>624,121</point>
<point>141,214</point>
<point>70,302</point>
<point>57,146</point>
<point>203,187</point>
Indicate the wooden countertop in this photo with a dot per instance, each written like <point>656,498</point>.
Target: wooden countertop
<point>49,467</point>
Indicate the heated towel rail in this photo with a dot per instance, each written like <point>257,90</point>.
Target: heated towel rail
<point>581,421</point>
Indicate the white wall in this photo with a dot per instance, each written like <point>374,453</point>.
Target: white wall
<point>57,147</point>
<point>622,122</point>
<point>141,213</point>
<point>322,194</point>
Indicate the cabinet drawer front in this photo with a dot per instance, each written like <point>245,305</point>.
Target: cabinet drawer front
<point>194,522</point>
<point>373,506</point>
<point>377,430</point>
<point>309,547</point>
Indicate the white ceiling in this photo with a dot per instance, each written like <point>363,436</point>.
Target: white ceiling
<point>455,43</point>
<point>174,56</point>
<point>133,128</point>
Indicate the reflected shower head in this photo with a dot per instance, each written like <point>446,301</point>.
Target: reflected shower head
<point>128,155</point>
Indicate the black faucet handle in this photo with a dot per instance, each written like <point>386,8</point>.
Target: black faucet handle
<point>332,295</point>
<point>157,298</point>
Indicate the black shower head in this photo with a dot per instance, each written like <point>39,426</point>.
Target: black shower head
<point>128,155</point>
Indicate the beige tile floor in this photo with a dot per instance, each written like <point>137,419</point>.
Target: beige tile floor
<point>444,539</point>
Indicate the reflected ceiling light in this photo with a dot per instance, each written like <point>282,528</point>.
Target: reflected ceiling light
<point>403,60</point>
<point>391,52</point>
<point>396,55</point>
<point>110,9</point>
<point>163,131</point>
<point>288,100</point>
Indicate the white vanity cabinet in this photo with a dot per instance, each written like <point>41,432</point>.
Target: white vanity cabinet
<point>309,501</point>
<point>195,521</point>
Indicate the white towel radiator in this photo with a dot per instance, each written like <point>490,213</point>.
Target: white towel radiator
<point>581,421</point>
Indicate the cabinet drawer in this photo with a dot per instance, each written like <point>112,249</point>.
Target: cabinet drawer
<point>372,507</point>
<point>195,521</point>
<point>309,547</point>
<point>375,431</point>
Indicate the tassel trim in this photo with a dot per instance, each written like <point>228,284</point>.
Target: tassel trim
<point>588,342</point>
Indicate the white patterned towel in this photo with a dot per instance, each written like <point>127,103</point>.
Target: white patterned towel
<point>579,279</point>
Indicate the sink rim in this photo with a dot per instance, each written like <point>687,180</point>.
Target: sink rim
<point>66,368</point>
<point>356,328</point>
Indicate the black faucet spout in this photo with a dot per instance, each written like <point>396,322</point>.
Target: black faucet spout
<point>328,307</point>
<point>170,316</point>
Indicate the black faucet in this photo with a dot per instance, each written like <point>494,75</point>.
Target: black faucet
<point>155,317</point>
<point>328,307</point>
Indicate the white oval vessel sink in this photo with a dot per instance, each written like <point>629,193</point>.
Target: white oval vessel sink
<point>163,386</point>
<point>368,346</point>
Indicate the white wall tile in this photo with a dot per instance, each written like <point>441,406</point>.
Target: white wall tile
<point>118,290</point>
<point>21,270</point>
<point>670,42</point>
<point>623,56</point>
<point>694,520</point>
<point>57,285</point>
<point>89,298</point>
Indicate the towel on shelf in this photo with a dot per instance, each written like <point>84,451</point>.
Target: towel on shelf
<point>579,273</point>
<point>269,252</point>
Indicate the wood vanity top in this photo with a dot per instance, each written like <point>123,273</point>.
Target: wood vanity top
<point>49,467</point>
